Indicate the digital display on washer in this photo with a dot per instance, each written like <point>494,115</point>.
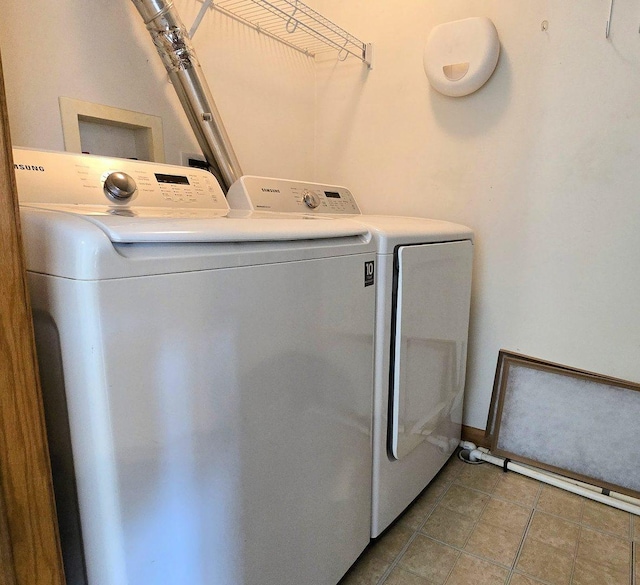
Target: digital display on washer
<point>332,194</point>
<point>173,179</point>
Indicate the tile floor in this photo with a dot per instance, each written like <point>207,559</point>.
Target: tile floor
<point>475,525</point>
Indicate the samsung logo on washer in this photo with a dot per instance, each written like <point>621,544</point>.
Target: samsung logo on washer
<point>270,190</point>
<point>28,168</point>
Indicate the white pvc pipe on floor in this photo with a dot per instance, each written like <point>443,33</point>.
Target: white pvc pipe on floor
<point>627,504</point>
<point>593,488</point>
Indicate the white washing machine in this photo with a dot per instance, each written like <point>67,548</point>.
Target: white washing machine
<point>423,295</point>
<point>207,378</point>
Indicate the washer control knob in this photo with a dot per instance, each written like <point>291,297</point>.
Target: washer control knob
<point>310,199</point>
<point>119,186</point>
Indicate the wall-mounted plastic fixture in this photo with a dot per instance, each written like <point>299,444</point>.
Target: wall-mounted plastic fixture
<point>460,56</point>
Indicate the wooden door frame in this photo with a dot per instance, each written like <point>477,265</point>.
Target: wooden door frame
<point>29,540</point>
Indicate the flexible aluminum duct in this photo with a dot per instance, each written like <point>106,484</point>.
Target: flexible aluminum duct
<point>172,41</point>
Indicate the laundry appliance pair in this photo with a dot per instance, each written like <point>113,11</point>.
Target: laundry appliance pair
<point>208,372</point>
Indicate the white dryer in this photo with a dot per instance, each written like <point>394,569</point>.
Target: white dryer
<point>207,378</point>
<point>423,292</point>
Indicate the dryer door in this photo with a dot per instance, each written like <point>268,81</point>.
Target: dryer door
<point>429,345</point>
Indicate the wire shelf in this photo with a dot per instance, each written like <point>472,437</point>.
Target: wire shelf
<point>291,22</point>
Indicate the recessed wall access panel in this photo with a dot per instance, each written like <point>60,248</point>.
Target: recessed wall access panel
<point>105,130</point>
<point>570,421</point>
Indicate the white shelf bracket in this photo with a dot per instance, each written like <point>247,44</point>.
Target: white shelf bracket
<point>196,23</point>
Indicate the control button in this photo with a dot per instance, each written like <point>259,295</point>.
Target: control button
<point>310,199</point>
<point>119,186</point>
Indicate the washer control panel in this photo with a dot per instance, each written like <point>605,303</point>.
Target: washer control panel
<point>285,196</point>
<point>78,179</point>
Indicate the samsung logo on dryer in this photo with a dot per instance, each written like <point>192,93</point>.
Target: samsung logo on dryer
<point>18,167</point>
<point>265,190</point>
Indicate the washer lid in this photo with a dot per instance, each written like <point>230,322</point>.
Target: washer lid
<point>157,224</point>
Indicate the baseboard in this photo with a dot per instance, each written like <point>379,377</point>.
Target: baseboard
<point>475,436</point>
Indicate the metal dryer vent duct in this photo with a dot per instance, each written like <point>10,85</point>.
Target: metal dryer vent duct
<point>172,41</point>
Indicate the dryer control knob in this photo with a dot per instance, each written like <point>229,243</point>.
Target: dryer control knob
<point>310,199</point>
<point>119,186</point>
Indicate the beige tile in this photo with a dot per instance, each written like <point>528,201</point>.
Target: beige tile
<point>507,515</point>
<point>429,559</point>
<point>433,491</point>
<point>544,562</point>
<point>494,543</point>
<point>588,573</point>
<point>607,519</point>
<point>517,579</point>
<point>437,487</point>
<point>480,477</point>
<point>636,528</point>
<point>555,532</point>
<point>416,513</point>
<point>560,503</point>
<point>367,571</point>
<point>451,469</point>
<point>401,577</point>
<point>439,483</point>
<point>605,550</point>
<point>448,526</point>
<point>473,571</point>
<point>464,501</point>
<point>391,542</point>
<point>413,518</point>
<point>517,488</point>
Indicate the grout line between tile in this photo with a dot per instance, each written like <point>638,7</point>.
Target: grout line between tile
<point>582,508</point>
<point>537,500</point>
<point>531,577</point>
<point>521,546</point>
<point>587,526</point>
<point>416,531</point>
<point>477,520</point>
<point>413,573</point>
<point>462,550</point>
<point>526,531</point>
<point>452,569</point>
<point>575,554</point>
<point>472,554</point>
<point>395,561</point>
<point>502,498</point>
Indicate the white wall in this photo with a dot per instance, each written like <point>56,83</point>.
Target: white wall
<point>543,163</point>
<point>101,52</point>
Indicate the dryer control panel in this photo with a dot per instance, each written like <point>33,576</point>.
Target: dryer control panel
<point>285,196</point>
<point>60,178</point>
